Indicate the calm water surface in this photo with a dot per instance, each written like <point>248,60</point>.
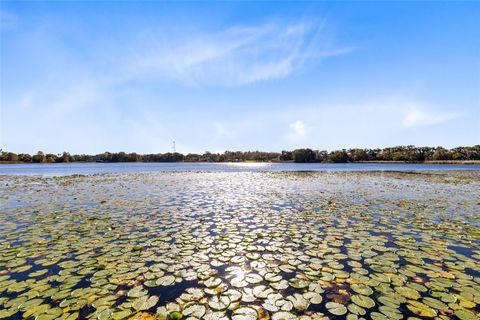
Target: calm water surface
<point>240,245</point>
<point>63,169</point>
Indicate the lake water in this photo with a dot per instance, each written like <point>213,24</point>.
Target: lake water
<point>63,169</point>
<point>240,245</point>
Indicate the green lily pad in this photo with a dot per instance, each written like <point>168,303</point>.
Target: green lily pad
<point>361,289</point>
<point>298,283</point>
<point>105,314</point>
<point>336,308</point>
<point>121,314</point>
<point>421,309</point>
<point>219,303</point>
<point>145,303</point>
<point>408,293</point>
<point>196,310</point>
<point>356,309</point>
<point>165,281</point>
<point>363,301</point>
<point>175,315</point>
<point>465,314</point>
<point>378,316</point>
<point>283,315</point>
<point>245,313</point>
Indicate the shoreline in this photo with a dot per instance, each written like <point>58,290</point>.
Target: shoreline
<point>466,162</point>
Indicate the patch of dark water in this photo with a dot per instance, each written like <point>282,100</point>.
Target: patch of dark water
<point>168,294</point>
<point>53,269</point>
<point>287,275</point>
<point>46,300</point>
<point>473,273</point>
<point>468,252</point>
<point>83,283</point>
<point>86,311</point>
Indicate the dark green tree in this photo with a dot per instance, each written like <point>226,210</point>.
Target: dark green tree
<point>338,156</point>
<point>39,157</point>
<point>286,156</point>
<point>9,156</point>
<point>303,155</point>
<point>65,157</point>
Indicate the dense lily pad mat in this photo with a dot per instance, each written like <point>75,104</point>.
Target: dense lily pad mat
<point>241,246</point>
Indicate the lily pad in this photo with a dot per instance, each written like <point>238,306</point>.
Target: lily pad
<point>336,308</point>
<point>245,313</point>
<point>298,283</point>
<point>196,310</point>
<point>363,301</point>
<point>165,281</point>
<point>421,309</point>
<point>145,303</point>
<point>362,289</point>
<point>219,303</point>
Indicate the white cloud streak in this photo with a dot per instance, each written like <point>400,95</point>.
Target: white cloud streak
<point>238,55</point>
<point>416,116</point>
<point>297,131</point>
<point>70,85</point>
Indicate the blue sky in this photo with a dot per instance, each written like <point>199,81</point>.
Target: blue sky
<point>91,76</point>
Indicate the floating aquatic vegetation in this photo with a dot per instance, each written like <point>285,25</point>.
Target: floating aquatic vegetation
<point>335,308</point>
<point>240,246</point>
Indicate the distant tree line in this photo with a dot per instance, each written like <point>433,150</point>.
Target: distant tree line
<point>400,153</point>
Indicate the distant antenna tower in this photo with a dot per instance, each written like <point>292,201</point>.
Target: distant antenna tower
<point>174,147</point>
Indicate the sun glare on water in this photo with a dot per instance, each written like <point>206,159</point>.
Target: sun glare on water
<point>249,164</point>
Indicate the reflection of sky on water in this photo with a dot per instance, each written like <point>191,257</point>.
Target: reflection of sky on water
<point>248,165</point>
<point>298,218</point>
<point>62,169</point>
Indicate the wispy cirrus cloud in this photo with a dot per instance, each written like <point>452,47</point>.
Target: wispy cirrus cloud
<point>111,77</point>
<point>239,55</point>
<point>235,56</point>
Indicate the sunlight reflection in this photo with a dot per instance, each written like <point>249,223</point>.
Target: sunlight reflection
<point>239,273</point>
<point>249,164</point>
